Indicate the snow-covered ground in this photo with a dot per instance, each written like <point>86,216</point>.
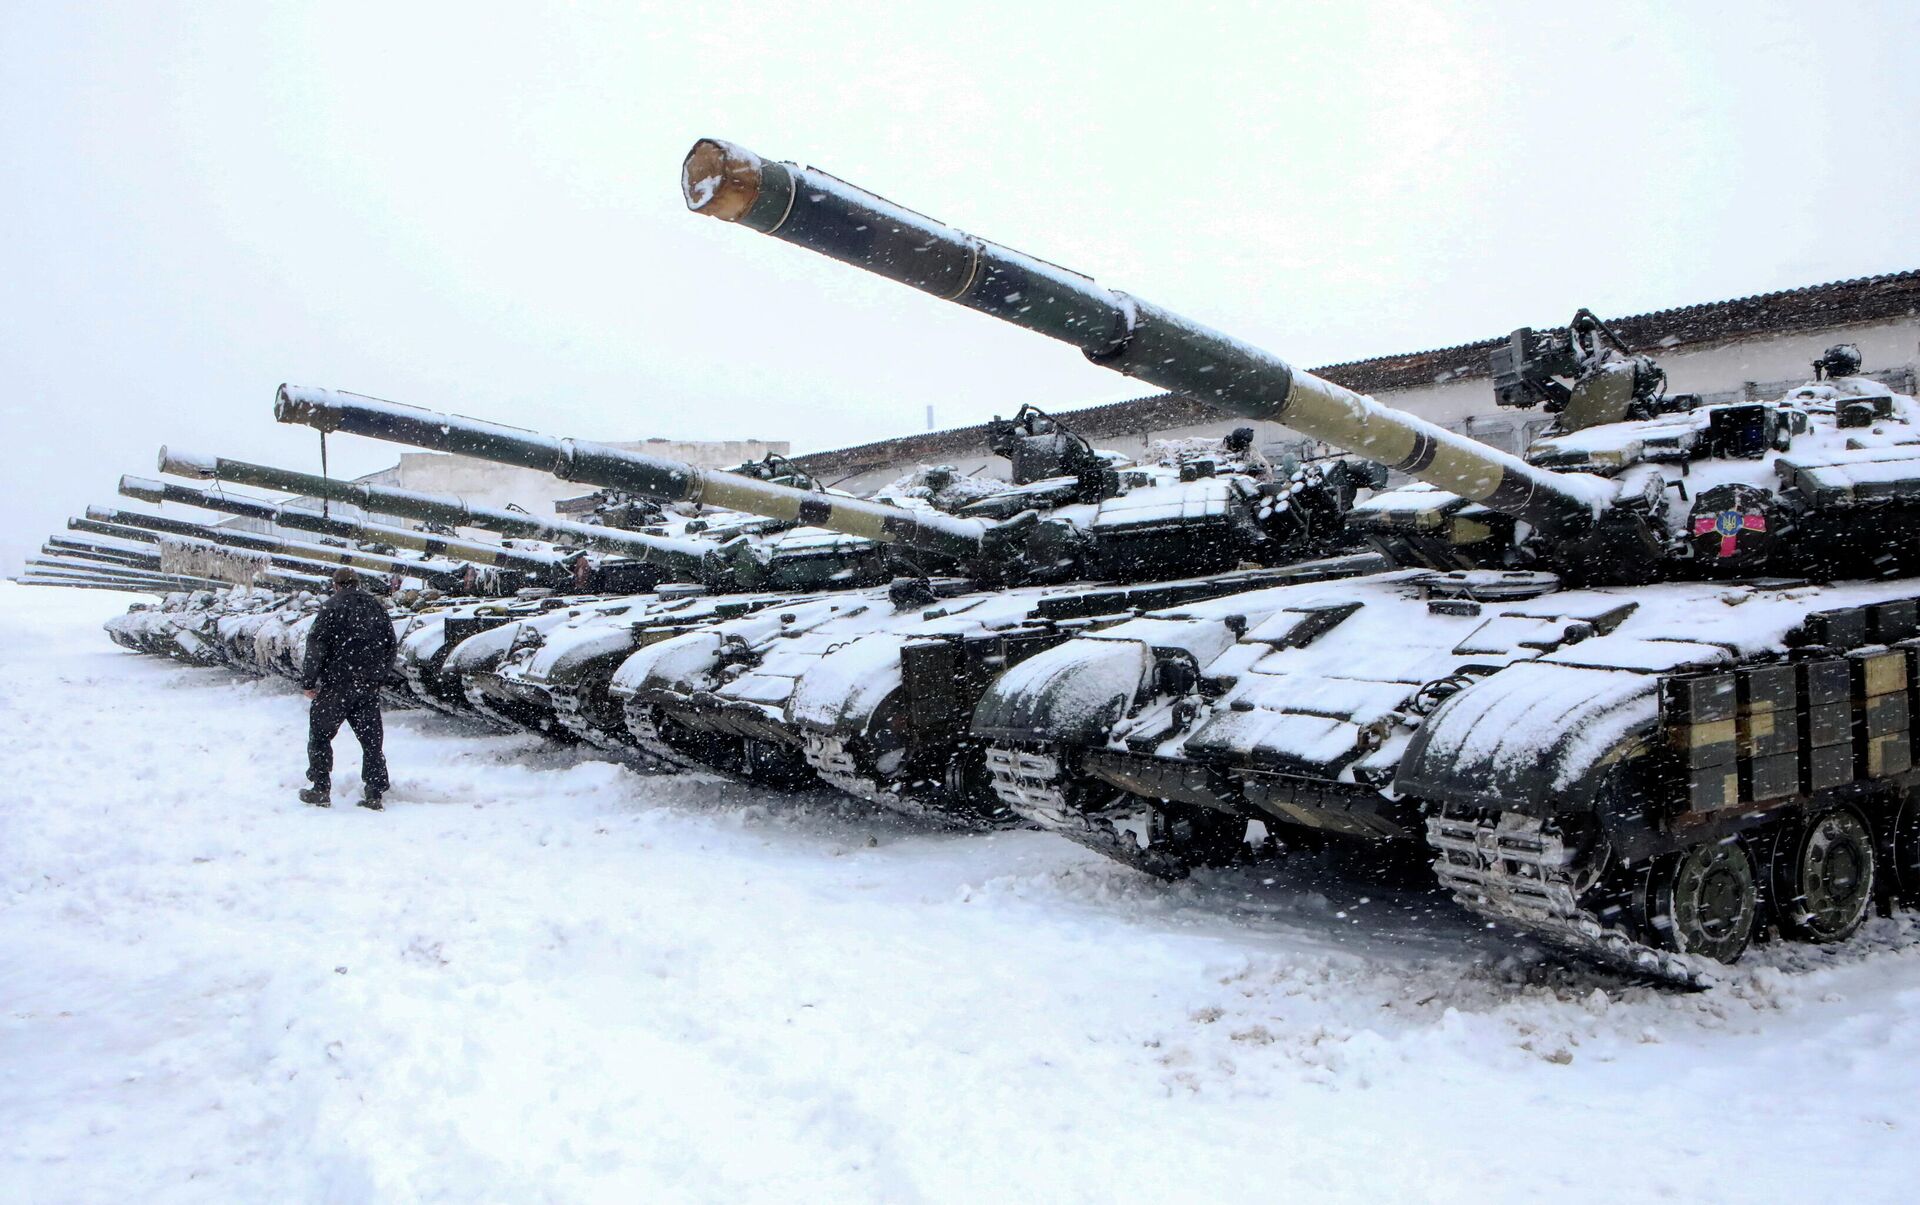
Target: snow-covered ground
<point>543,977</point>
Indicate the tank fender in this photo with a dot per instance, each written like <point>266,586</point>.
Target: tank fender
<point>1535,737</point>
<point>482,648</point>
<point>1072,693</point>
<point>849,686</point>
<point>685,662</point>
<point>560,657</point>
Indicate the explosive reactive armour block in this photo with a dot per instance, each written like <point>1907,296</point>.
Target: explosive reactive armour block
<point>1701,745</point>
<point>1878,673</point>
<point>1700,700</point>
<point>1764,778</point>
<point>1710,788</point>
<point>1891,622</point>
<point>1768,721</point>
<point>1884,755</point>
<point>1827,767</point>
<point>1827,724</point>
<point>1826,681</point>
<point>1883,715</point>
<point>1845,629</point>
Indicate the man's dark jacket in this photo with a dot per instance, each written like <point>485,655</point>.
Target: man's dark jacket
<point>349,646</point>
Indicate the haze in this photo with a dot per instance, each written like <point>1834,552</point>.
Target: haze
<point>477,209</point>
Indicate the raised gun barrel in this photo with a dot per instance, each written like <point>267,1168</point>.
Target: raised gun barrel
<point>470,551</point>
<point>252,542</point>
<point>615,468</point>
<point>814,210</point>
<point>684,557</point>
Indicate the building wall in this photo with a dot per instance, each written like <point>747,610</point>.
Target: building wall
<point>1757,367</point>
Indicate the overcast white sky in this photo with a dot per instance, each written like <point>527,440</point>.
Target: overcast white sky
<point>477,208</point>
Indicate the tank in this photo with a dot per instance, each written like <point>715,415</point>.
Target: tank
<point>1643,693</point>
<point>870,691</point>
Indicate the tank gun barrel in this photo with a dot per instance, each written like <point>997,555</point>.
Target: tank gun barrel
<point>811,209</point>
<point>53,567</point>
<point>118,585</point>
<point>68,546</point>
<point>143,562</point>
<point>325,553</point>
<point>685,557</point>
<point>83,564</point>
<point>292,565</point>
<point>295,519</point>
<point>615,468</point>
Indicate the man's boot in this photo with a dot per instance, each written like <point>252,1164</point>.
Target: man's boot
<point>372,801</point>
<point>320,797</point>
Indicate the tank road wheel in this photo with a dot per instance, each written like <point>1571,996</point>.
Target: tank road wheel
<point>1823,876</point>
<point>1905,850</point>
<point>1704,901</point>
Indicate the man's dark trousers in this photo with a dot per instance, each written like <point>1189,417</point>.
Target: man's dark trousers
<point>360,711</point>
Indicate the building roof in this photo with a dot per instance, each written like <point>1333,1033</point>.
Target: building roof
<point>1813,307</point>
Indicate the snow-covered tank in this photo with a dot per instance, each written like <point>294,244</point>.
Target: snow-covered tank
<point>1645,692</point>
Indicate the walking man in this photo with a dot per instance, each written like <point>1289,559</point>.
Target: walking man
<point>349,654</point>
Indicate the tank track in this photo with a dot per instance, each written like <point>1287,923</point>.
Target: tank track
<point>423,690</point>
<point>483,707</point>
<point>1034,788</point>
<point>1519,871</point>
<point>572,716</point>
<point>830,758</point>
<point>646,734</point>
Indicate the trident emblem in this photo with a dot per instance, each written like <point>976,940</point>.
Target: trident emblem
<point>1729,523</point>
